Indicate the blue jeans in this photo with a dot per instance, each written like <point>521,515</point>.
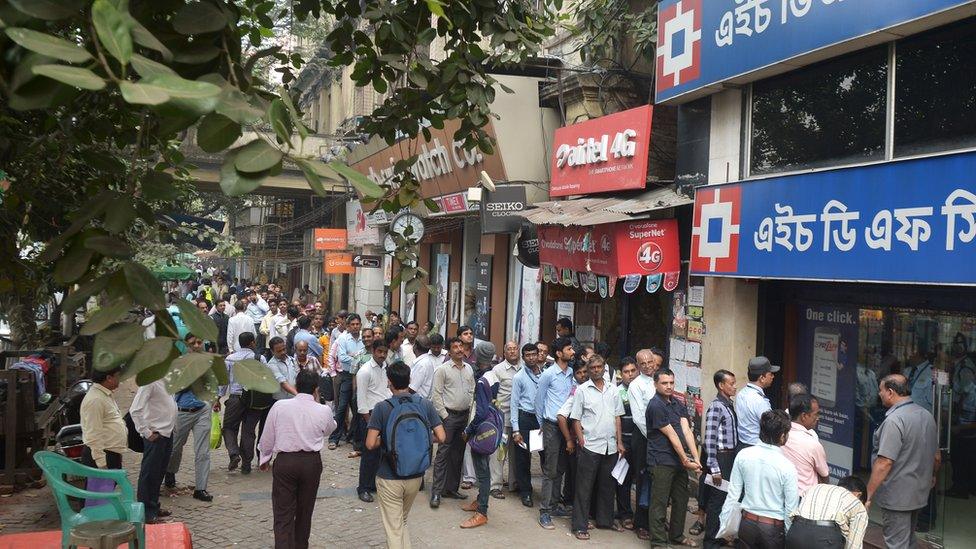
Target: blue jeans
<point>155,457</point>
<point>483,471</point>
<point>342,405</point>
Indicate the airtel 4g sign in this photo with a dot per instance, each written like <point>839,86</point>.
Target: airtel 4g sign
<point>604,154</point>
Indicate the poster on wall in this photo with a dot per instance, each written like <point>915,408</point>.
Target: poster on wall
<point>442,264</point>
<point>481,323</point>
<point>529,299</point>
<point>826,356</point>
<point>455,301</point>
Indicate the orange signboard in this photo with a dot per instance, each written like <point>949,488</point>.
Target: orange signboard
<point>339,263</point>
<point>330,239</point>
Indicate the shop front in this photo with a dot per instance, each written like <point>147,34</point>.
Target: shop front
<point>861,272</point>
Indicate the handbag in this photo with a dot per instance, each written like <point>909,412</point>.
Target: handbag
<point>133,438</point>
<point>215,429</point>
<point>730,527</point>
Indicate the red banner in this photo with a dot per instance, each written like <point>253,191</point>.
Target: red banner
<point>331,239</point>
<point>603,154</point>
<point>614,249</point>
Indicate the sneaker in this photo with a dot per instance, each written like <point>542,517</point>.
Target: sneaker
<point>545,521</point>
<point>475,521</point>
<point>202,495</point>
<point>561,511</point>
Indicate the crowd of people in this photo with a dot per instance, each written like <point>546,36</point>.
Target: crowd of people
<point>615,445</point>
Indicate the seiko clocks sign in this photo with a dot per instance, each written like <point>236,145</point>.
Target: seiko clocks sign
<point>604,154</point>
<point>500,209</point>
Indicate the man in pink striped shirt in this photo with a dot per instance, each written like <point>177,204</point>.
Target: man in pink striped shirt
<point>294,435</point>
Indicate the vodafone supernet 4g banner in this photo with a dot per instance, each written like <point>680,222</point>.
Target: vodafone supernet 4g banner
<point>613,249</point>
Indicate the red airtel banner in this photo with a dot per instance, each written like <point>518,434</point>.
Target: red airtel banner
<point>613,249</point>
<point>603,154</point>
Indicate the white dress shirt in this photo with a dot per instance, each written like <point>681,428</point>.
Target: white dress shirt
<point>640,392</point>
<point>371,386</point>
<point>406,353</point>
<point>237,325</point>
<point>153,410</point>
<point>422,373</point>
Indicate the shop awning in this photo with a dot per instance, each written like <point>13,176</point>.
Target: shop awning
<point>584,212</point>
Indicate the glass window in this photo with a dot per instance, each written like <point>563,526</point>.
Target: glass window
<point>828,114</point>
<point>935,90</point>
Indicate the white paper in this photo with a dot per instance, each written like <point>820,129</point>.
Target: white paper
<point>694,376</point>
<point>692,351</point>
<point>620,470</point>
<point>535,440</point>
<point>680,375</point>
<point>696,296</point>
<point>677,349</point>
<point>723,486</point>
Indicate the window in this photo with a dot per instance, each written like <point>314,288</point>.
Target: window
<point>935,100</point>
<point>828,114</point>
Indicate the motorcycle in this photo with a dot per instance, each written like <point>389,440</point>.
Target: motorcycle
<point>67,441</point>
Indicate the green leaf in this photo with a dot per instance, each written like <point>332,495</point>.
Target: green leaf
<point>205,387</point>
<point>413,285</point>
<point>109,246</point>
<point>147,68</point>
<point>72,76</point>
<point>152,352</point>
<point>249,65</point>
<point>196,54</point>
<point>120,215</point>
<point>257,156</point>
<point>418,78</point>
<point>313,178</point>
<point>234,105</point>
<point>436,8</point>
<point>158,186</point>
<point>219,370</point>
<point>186,369</point>
<point>280,120</point>
<point>290,105</point>
<point>432,206</point>
<point>255,376</point>
<point>142,94</point>
<point>49,10</point>
<point>198,323</point>
<point>199,18</point>
<point>157,372</point>
<point>113,30</point>
<point>143,286</point>
<point>48,45</point>
<point>115,345</point>
<point>106,316</point>
<point>78,296</point>
<point>146,39</point>
<point>74,264</point>
<point>217,132</point>
<point>179,87</point>
<point>364,185</point>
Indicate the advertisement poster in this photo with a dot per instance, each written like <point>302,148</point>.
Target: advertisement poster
<point>481,323</point>
<point>826,356</point>
<point>442,266</point>
<point>358,231</point>
<point>529,300</point>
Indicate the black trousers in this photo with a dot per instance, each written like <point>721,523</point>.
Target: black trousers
<point>807,534</point>
<point>624,509</point>
<point>450,454</point>
<point>962,455</point>
<point>233,417</point>
<point>593,480</point>
<point>113,460</point>
<point>252,419</point>
<point>155,458</point>
<point>294,485</point>
<point>343,399</point>
<point>715,500</point>
<point>755,535</point>
<point>641,476</point>
<point>523,457</point>
<point>369,463</point>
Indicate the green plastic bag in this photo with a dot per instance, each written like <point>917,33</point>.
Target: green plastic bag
<point>215,429</point>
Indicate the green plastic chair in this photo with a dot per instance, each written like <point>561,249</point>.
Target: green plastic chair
<point>122,505</point>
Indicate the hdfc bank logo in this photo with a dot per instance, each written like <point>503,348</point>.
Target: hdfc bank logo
<point>715,230</point>
<point>679,44</point>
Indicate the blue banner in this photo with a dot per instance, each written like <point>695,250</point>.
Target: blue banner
<point>705,42</point>
<point>905,221</point>
<point>827,364</point>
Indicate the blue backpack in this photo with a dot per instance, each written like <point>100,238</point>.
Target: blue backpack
<point>406,437</point>
<point>488,435</point>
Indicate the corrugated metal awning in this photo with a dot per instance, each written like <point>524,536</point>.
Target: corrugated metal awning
<point>584,212</point>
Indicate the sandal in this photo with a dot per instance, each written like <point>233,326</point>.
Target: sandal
<point>615,526</point>
<point>644,534</point>
<point>332,446</point>
<point>466,485</point>
<point>685,542</point>
<point>696,528</point>
<point>581,535</point>
<point>354,454</point>
<point>628,524</point>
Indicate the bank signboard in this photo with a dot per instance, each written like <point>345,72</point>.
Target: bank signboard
<point>706,42</point>
<point>911,221</point>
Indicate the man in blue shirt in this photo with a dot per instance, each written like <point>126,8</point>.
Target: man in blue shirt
<point>314,346</point>
<point>751,402</point>
<point>349,349</point>
<point>193,415</point>
<point>555,384</point>
<point>523,420</point>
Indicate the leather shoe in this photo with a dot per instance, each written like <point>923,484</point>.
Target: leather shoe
<point>454,495</point>
<point>202,495</point>
<point>246,469</point>
<point>497,494</point>
<point>475,521</point>
<point>366,497</point>
<point>164,513</point>
<point>234,462</point>
<point>527,500</point>
<point>435,501</point>
<point>471,507</point>
<point>169,480</point>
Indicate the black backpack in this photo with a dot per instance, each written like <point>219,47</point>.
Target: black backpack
<point>254,400</point>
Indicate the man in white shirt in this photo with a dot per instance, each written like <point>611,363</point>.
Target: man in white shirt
<point>406,348</point>
<point>153,412</point>
<point>237,325</point>
<point>505,372</point>
<point>371,389</point>
<point>639,393</point>
<point>422,371</point>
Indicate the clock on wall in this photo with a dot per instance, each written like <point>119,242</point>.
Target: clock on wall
<point>408,226</point>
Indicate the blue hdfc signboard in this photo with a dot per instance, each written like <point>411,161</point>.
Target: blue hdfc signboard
<point>906,221</point>
<point>703,42</point>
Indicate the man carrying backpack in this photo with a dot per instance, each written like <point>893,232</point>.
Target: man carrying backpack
<point>400,427</point>
<point>483,434</point>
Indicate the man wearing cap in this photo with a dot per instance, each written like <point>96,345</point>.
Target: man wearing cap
<point>751,402</point>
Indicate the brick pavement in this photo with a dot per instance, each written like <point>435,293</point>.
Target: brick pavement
<point>240,515</point>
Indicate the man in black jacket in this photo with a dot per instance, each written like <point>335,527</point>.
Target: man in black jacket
<point>221,318</point>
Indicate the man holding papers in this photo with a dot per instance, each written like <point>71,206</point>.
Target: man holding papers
<point>524,420</point>
<point>721,438</point>
<point>597,410</point>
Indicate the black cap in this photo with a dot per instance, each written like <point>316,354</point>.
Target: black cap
<point>760,365</point>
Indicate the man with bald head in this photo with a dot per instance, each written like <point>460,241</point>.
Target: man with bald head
<point>505,371</point>
<point>905,463</point>
<point>639,393</point>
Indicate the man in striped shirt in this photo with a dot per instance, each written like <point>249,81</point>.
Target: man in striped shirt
<point>721,438</point>
<point>830,516</point>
